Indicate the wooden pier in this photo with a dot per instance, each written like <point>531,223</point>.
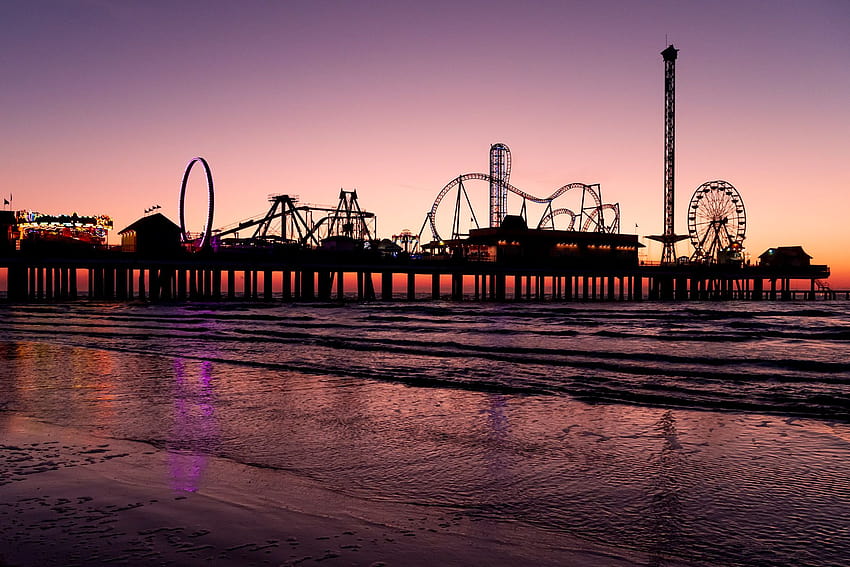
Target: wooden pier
<point>227,279</point>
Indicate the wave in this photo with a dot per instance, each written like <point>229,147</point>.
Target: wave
<point>556,354</point>
<point>787,359</point>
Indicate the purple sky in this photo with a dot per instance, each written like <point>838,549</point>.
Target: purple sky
<point>105,102</point>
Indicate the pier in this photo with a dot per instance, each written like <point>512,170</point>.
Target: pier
<point>217,278</point>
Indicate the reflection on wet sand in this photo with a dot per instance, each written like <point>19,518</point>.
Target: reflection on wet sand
<point>194,431</point>
<point>665,511</point>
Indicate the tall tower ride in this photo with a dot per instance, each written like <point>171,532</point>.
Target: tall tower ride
<point>500,173</point>
<point>669,238</point>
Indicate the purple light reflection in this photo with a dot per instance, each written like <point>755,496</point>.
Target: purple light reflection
<point>498,434</point>
<point>194,432</point>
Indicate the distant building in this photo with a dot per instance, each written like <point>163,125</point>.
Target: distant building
<point>785,257</point>
<point>152,236</point>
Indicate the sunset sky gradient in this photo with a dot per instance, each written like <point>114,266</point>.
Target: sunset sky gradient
<point>105,102</point>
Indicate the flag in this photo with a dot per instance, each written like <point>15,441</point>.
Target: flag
<point>5,201</point>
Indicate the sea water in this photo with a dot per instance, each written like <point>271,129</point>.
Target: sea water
<point>718,432</point>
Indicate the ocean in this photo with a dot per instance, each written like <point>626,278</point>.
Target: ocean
<point>717,432</point>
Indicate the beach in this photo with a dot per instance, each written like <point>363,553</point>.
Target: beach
<point>75,499</point>
<point>445,434</point>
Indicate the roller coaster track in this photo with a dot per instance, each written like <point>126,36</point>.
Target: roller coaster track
<point>298,226</point>
<point>547,218</point>
<point>597,216</point>
<point>597,209</point>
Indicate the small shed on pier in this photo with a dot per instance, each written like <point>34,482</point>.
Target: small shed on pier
<point>785,257</point>
<point>151,236</point>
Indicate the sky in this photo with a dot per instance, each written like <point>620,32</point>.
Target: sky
<point>105,102</point>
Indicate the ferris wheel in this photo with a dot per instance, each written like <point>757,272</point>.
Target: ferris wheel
<point>717,223</point>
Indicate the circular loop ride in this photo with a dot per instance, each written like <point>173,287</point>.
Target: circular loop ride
<point>717,223</point>
<point>205,238</point>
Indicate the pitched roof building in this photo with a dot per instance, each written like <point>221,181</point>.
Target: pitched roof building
<point>153,235</point>
<point>785,257</point>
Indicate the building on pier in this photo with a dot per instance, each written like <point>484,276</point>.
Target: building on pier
<point>151,236</point>
<point>37,233</point>
<point>9,234</point>
<point>785,257</point>
<point>513,243</point>
<point>68,229</point>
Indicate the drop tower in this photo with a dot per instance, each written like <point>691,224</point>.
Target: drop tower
<point>669,238</point>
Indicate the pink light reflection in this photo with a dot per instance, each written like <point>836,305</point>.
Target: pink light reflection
<point>194,432</point>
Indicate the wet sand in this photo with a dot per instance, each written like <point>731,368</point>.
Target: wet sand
<point>71,498</point>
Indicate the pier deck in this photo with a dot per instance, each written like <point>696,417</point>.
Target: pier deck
<point>203,278</point>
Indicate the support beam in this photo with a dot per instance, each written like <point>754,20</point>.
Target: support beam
<point>387,286</point>
<point>411,286</point>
